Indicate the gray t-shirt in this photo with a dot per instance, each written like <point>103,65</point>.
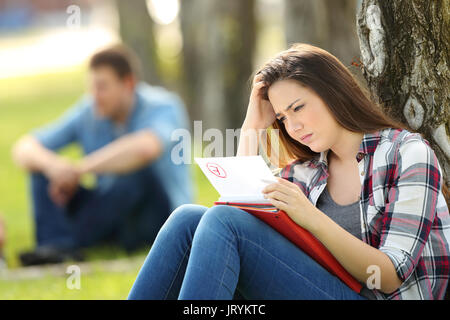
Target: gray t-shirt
<point>348,217</point>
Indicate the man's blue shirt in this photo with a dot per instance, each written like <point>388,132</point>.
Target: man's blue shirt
<point>155,109</point>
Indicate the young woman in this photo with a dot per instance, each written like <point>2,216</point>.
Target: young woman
<point>369,190</point>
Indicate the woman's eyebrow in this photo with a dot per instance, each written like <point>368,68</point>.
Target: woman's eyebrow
<point>288,107</point>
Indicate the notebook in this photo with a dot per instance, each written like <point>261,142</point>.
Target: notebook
<point>240,180</point>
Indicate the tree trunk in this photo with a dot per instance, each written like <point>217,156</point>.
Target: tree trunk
<point>193,42</point>
<point>405,50</point>
<point>328,24</point>
<point>218,46</point>
<point>137,31</point>
<point>305,21</point>
<point>240,48</point>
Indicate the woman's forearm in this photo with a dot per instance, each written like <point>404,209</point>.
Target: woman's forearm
<point>123,155</point>
<point>356,256</point>
<point>248,141</point>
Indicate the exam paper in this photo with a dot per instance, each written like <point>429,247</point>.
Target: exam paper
<point>237,179</point>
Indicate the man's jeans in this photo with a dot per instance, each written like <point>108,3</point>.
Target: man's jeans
<point>223,253</point>
<point>130,213</point>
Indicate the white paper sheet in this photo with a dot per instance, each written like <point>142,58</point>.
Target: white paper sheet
<point>237,179</point>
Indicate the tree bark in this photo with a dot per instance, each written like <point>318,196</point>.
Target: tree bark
<point>137,31</point>
<point>328,24</point>
<point>193,38</point>
<point>218,46</point>
<point>240,47</point>
<point>305,21</point>
<point>405,50</point>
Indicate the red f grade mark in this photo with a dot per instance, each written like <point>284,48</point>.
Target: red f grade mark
<point>216,170</point>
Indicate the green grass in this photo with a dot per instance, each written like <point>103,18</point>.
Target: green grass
<point>27,103</point>
<point>99,285</point>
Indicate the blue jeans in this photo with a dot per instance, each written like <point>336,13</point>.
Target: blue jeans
<point>130,213</point>
<point>224,252</point>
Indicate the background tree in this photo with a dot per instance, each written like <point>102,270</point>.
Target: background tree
<point>405,50</point>
<point>137,30</point>
<point>193,36</point>
<point>327,24</point>
<point>218,48</point>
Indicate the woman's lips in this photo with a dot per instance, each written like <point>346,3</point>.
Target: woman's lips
<point>306,138</point>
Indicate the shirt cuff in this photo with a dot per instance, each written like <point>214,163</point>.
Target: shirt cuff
<point>402,260</point>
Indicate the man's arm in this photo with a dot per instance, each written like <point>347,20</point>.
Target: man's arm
<point>31,155</point>
<point>63,176</point>
<point>123,155</point>
<point>36,151</point>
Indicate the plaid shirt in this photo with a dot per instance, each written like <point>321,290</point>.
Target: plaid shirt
<point>403,212</point>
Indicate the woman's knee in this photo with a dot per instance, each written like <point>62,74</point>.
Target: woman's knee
<point>186,216</point>
<point>228,216</point>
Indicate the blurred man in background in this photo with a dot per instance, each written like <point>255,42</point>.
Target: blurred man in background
<point>124,128</point>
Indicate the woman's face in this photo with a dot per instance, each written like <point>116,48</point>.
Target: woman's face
<point>304,115</point>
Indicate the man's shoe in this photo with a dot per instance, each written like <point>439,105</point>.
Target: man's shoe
<point>49,255</point>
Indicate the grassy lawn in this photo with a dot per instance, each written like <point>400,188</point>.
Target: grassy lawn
<point>99,285</point>
<point>26,103</point>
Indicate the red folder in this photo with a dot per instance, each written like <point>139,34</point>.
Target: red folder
<point>301,237</point>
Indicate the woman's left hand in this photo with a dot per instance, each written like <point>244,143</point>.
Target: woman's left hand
<point>287,196</point>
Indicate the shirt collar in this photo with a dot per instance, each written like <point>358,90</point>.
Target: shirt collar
<point>367,146</point>
<point>121,129</point>
<point>370,142</point>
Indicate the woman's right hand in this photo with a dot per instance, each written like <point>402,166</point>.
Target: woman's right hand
<point>260,113</point>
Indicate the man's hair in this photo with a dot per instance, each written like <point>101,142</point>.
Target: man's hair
<point>120,58</point>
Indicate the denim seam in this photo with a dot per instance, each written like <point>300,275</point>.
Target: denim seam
<point>231,270</point>
<point>256,264</point>
<point>223,274</point>
<point>176,273</point>
<point>227,227</point>
<point>229,245</point>
<point>306,279</point>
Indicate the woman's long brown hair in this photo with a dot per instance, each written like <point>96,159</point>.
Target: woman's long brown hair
<point>322,72</point>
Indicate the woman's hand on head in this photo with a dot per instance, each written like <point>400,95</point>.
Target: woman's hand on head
<point>260,113</point>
